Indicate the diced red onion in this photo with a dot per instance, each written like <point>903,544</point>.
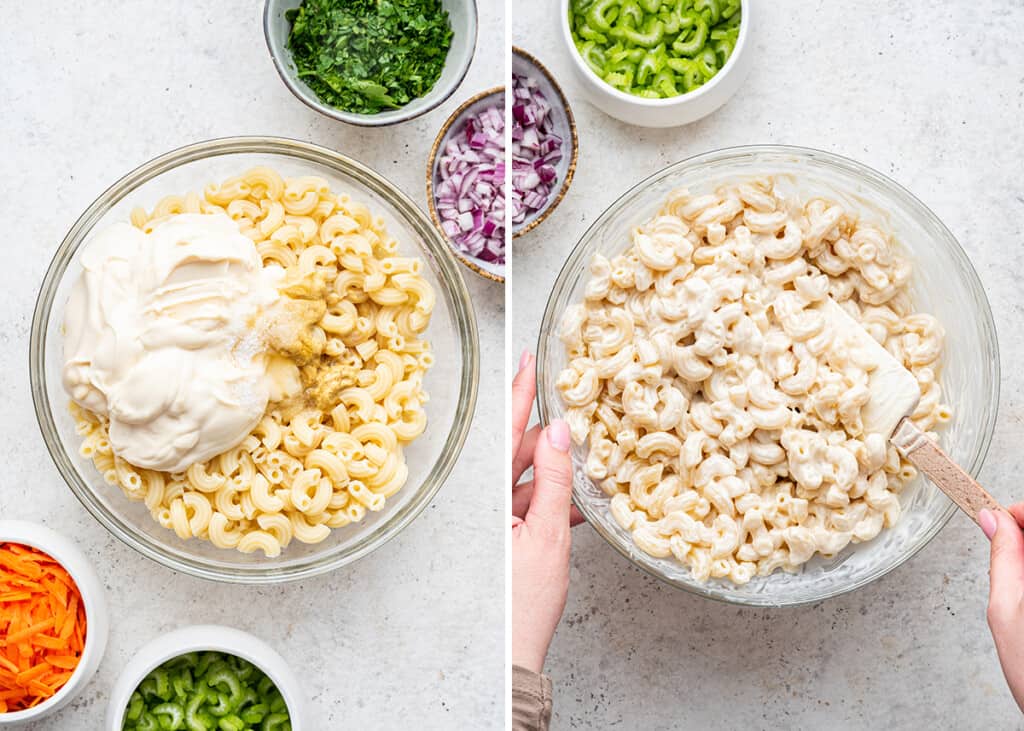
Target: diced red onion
<point>470,193</point>
<point>536,149</point>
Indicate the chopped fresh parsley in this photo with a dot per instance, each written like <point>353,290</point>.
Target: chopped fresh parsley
<point>364,56</point>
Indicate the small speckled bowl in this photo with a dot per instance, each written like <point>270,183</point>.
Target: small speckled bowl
<point>97,618</point>
<point>206,638</point>
<point>462,16</point>
<point>452,127</point>
<point>524,64</point>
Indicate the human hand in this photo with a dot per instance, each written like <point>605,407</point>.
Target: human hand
<point>541,515</point>
<point>1006,592</point>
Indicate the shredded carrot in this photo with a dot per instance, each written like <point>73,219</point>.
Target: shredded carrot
<point>40,689</point>
<point>17,638</point>
<point>34,673</point>
<point>67,662</point>
<point>50,643</point>
<point>42,627</point>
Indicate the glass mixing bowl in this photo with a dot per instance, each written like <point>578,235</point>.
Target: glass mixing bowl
<point>451,383</point>
<point>944,284</point>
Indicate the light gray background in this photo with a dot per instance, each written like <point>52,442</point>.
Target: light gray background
<point>931,95</point>
<point>92,89</point>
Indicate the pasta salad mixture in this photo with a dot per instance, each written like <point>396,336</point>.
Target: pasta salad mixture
<point>723,420</point>
<point>324,376</point>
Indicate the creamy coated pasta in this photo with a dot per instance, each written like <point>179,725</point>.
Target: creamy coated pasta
<point>721,418</point>
<point>348,346</point>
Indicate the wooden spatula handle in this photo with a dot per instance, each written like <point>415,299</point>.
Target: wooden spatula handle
<point>928,457</point>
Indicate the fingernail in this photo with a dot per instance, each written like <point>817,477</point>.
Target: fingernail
<point>558,435</point>
<point>988,523</point>
<point>524,359</point>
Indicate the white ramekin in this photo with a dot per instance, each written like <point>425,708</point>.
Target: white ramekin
<point>677,110</point>
<point>205,638</point>
<point>97,617</point>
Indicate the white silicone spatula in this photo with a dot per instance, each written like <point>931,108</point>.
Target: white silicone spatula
<point>894,396</point>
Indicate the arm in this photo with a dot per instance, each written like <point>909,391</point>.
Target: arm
<point>1006,592</point>
<point>541,515</point>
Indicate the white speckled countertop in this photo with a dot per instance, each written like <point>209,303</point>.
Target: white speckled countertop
<point>93,89</point>
<point>932,95</point>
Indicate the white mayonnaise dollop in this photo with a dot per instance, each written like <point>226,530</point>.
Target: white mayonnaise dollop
<point>159,336</point>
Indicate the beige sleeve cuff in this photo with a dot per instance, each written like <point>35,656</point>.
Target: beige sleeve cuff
<point>531,700</point>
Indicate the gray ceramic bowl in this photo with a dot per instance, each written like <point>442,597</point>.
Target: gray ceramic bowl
<point>452,127</point>
<point>463,18</point>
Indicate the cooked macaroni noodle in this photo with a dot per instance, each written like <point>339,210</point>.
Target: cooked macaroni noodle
<point>722,420</point>
<point>349,353</point>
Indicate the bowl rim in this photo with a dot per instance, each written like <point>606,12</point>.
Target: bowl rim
<point>456,291</point>
<point>849,165</point>
<point>470,262</point>
<point>563,189</point>
<point>369,120</point>
<point>71,559</point>
<point>662,103</point>
<point>208,638</point>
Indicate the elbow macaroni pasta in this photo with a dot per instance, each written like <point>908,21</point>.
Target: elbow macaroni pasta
<point>323,456</point>
<point>721,419</point>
